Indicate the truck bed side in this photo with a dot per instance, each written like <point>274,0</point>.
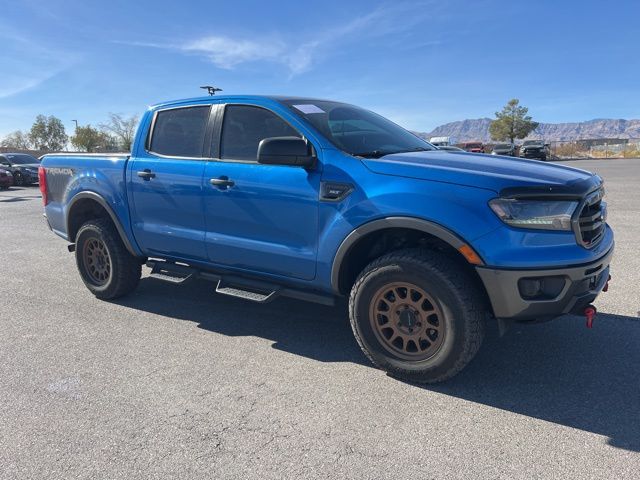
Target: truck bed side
<point>74,181</point>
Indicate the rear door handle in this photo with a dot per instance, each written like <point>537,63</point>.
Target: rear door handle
<point>146,174</point>
<point>222,182</point>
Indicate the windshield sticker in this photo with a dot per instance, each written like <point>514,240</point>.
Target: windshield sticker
<point>309,109</point>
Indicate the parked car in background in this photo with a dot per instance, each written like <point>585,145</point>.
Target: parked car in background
<point>22,166</point>
<point>6,179</point>
<point>473,147</point>
<point>535,149</point>
<point>508,149</point>
<point>449,148</point>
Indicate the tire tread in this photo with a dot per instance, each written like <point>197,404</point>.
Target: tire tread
<point>126,268</point>
<point>465,289</point>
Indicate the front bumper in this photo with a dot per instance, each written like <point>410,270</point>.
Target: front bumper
<point>581,285</point>
<point>533,154</point>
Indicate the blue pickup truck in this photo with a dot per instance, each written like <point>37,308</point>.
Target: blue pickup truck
<point>312,199</point>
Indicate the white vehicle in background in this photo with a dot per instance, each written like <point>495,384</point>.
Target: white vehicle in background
<point>442,141</point>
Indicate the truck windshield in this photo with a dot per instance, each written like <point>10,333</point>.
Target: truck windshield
<point>355,130</point>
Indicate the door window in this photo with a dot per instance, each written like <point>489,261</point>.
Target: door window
<point>245,126</point>
<point>180,132</point>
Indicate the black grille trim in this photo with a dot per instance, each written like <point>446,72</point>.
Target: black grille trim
<point>589,223</point>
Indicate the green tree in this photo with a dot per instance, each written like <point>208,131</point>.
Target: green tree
<point>47,133</point>
<point>512,122</point>
<point>89,139</point>
<point>18,140</point>
<point>122,128</point>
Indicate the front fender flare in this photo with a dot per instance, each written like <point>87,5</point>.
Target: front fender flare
<point>412,223</point>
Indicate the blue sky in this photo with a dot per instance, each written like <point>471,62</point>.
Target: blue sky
<point>420,63</point>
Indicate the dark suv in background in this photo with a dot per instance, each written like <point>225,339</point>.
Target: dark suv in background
<point>22,166</point>
<point>507,149</point>
<point>535,149</point>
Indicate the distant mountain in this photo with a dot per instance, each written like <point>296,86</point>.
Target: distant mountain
<point>478,129</point>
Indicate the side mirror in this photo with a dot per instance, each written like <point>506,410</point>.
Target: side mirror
<point>292,151</point>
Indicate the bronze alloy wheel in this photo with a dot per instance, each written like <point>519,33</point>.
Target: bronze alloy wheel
<point>97,261</point>
<point>407,322</point>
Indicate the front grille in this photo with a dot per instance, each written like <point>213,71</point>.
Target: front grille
<point>591,221</point>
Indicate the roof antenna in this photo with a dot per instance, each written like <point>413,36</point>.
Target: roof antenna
<point>211,90</point>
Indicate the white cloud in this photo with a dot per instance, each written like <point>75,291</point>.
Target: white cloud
<point>298,57</point>
<point>227,53</point>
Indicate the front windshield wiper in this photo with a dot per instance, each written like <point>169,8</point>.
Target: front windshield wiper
<point>372,154</point>
<point>380,153</point>
<point>420,149</point>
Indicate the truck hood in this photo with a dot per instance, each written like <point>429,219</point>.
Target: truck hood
<point>483,171</point>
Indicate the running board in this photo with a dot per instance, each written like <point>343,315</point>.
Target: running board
<point>232,285</point>
<point>240,292</point>
<point>171,272</point>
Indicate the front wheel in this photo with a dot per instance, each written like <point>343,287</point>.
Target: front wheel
<point>107,269</point>
<point>418,315</point>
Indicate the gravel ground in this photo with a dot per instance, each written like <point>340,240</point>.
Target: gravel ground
<point>177,382</point>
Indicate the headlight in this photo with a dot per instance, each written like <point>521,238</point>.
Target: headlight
<point>538,214</point>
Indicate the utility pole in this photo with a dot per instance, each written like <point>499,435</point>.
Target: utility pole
<point>76,122</point>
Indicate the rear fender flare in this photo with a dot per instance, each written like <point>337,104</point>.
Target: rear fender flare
<point>114,218</point>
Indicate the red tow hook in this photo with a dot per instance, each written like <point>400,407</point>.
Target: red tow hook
<point>606,285</point>
<point>590,314</point>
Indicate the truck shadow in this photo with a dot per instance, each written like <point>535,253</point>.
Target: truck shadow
<point>559,372</point>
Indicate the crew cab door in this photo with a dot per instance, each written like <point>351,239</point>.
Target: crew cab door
<point>262,218</point>
<point>165,184</point>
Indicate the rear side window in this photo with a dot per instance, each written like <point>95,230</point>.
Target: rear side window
<point>179,132</point>
<point>244,127</point>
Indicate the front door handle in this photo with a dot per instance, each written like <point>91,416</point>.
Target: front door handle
<point>222,182</point>
<point>146,174</point>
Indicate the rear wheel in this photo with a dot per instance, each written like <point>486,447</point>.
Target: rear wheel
<point>107,269</point>
<point>418,315</point>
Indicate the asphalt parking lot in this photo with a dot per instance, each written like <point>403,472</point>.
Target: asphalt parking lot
<point>177,382</point>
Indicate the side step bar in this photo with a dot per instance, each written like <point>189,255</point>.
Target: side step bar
<point>171,272</point>
<point>234,286</point>
<point>258,297</point>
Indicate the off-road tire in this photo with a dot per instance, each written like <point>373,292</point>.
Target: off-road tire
<point>457,295</point>
<point>125,269</point>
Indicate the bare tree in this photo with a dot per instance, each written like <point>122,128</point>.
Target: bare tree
<point>18,140</point>
<point>123,128</point>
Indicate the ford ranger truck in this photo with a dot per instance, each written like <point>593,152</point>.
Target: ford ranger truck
<point>311,199</point>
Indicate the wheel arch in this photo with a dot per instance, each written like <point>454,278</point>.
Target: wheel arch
<point>87,205</point>
<point>347,263</point>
